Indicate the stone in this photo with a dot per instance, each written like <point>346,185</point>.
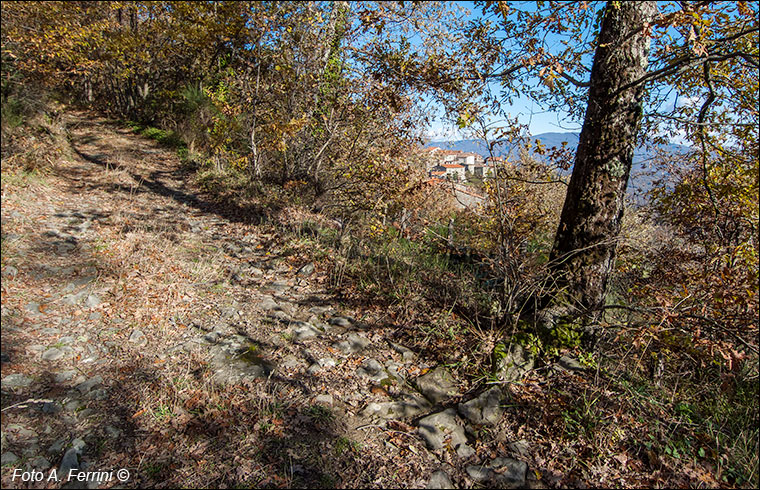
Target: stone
<point>57,446</point>
<point>64,376</point>
<point>406,406</point>
<point>15,381</point>
<point>92,301</point>
<point>443,429</point>
<point>513,363</point>
<point>437,385</point>
<point>479,473</point>
<point>484,409</point>
<point>212,337</point>
<point>88,385</point>
<point>306,270</point>
<point>276,286</point>
<point>340,321</point>
<point>33,308</point>
<point>354,343</point>
<point>8,458</point>
<point>440,479</point>
<point>52,354</point>
<point>509,472</point>
<point>70,461</point>
<point>520,447</point>
<point>267,303</point>
<point>327,362</point>
<point>324,400</point>
<point>137,337</point>
<point>501,472</point>
<point>406,354</point>
<point>41,463</point>
<point>9,272</point>
<point>305,330</point>
<point>372,369</point>
<point>571,364</point>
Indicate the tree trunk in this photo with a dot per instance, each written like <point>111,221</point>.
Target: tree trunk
<point>584,247</point>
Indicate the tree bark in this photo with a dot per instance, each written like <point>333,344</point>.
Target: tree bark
<point>584,247</point>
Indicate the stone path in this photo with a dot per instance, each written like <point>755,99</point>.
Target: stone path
<point>73,330</point>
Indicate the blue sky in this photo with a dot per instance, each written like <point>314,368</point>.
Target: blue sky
<point>526,110</point>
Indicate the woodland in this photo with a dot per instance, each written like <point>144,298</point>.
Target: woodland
<point>622,337</point>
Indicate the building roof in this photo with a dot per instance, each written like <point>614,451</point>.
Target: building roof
<point>452,165</point>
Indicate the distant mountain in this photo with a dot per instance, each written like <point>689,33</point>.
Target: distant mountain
<point>641,175</point>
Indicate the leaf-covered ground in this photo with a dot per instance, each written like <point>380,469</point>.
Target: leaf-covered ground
<point>122,287</point>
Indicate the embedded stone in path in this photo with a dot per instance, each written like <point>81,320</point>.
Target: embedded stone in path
<point>340,321</point>
<point>443,429</point>
<point>504,472</point>
<point>440,479</point>
<point>406,353</point>
<point>137,337</point>
<point>373,370</point>
<point>304,330</point>
<point>514,363</point>
<point>353,344</point>
<point>306,270</point>
<point>485,409</point>
<point>437,385</point>
<point>406,406</point>
<point>267,303</point>
<point>16,381</point>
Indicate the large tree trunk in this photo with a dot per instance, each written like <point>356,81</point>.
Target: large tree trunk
<point>584,248</point>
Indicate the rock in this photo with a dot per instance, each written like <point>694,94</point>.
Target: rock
<point>509,472</point>
<point>9,272</point>
<point>267,303</point>
<point>91,383</point>
<point>64,376</point>
<point>406,353</point>
<point>52,354</point>
<point>290,362</point>
<point>437,385</point>
<point>73,299</point>
<point>92,301</point>
<point>40,463</point>
<point>4,357</point>
<point>520,447</point>
<point>571,364</point>
<point>440,479</point>
<point>15,381</point>
<point>66,340</point>
<point>70,461</point>
<point>443,429</point>
<point>320,310</point>
<point>306,270</point>
<point>479,473</point>
<point>138,338</point>
<point>324,400</point>
<point>57,446</point>
<point>513,363</point>
<point>501,472</point>
<point>406,406</point>
<point>353,344</point>
<point>340,321</point>
<point>112,432</point>
<point>276,286</point>
<point>327,362</point>
<point>485,409</point>
<point>8,458</point>
<point>373,370</point>
<point>212,337</point>
<point>33,308</point>
<point>305,330</point>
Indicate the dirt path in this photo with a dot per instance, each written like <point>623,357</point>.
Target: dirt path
<point>146,329</point>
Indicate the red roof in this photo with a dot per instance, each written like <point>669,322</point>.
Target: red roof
<point>452,165</point>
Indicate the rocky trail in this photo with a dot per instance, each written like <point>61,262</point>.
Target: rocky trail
<point>145,328</point>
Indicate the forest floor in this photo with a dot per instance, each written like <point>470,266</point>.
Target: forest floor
<point>147,328</point>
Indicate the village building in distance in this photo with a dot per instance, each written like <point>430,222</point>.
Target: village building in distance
<point>459,166</point>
